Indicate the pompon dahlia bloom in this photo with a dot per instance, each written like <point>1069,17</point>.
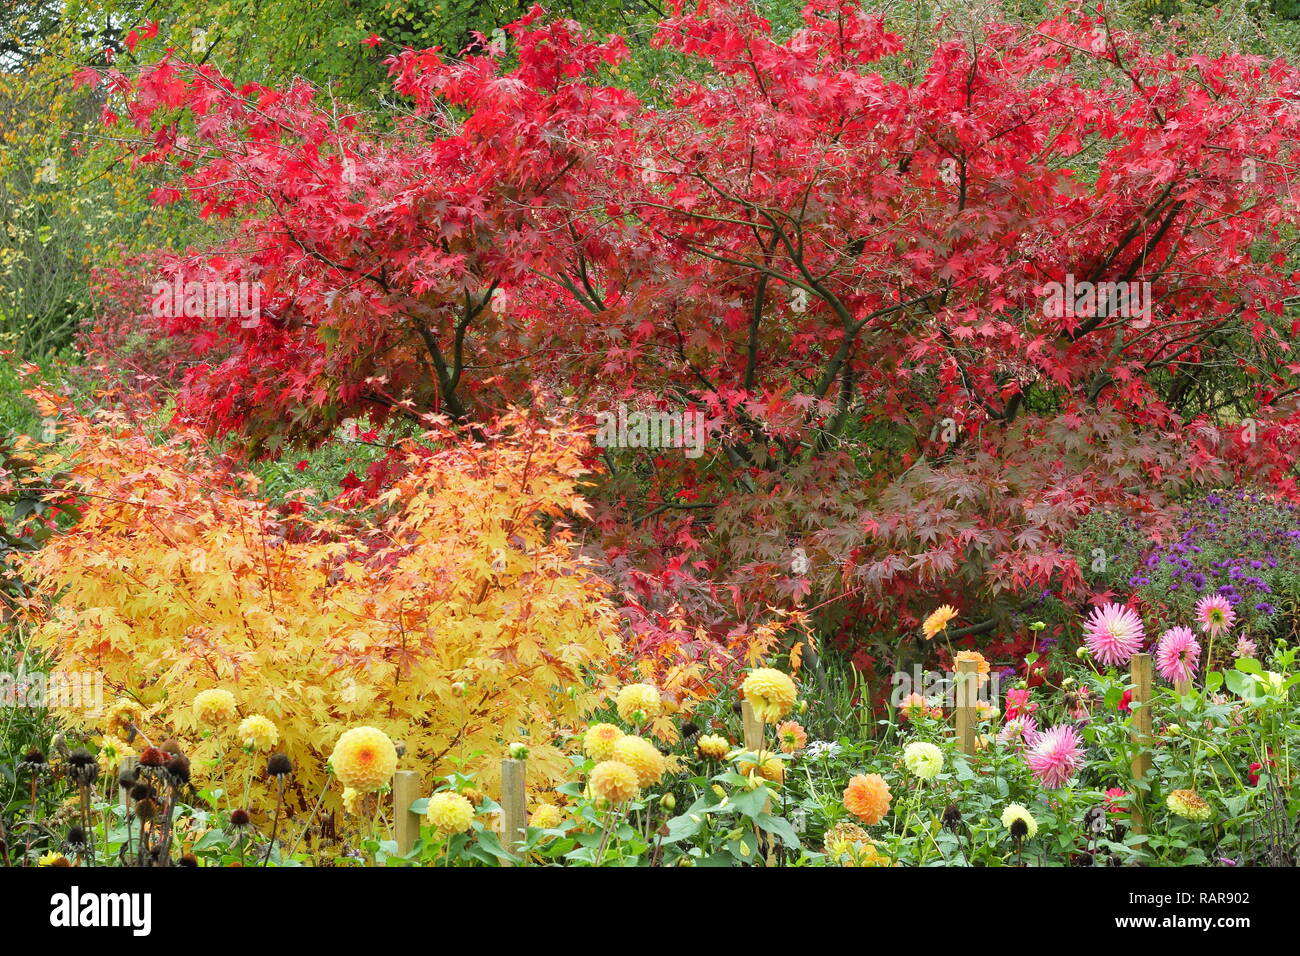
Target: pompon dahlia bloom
<point>258,733</point>
<point>867,797</point>
<point>364,759</point>
<point>1189,804</point>
<point>613,782</point>
<point>1215,614</point>
<point>547,816</point>
<point>123,717</point>
<point>1017,818</point>
<point>637,697</point>
<point>1177,654</point>
<point>599,740</point>
<point>923,759</point>
<point>449,813</point>
<point>1113,634</point>
<point>1056,756</point>
<point>712,746</point>
<point>1246,647</point>
<point>792,736</point>
<point>770,692</point>
<point>938,621</point>
<point>642,756</point>
<point>215,707</point>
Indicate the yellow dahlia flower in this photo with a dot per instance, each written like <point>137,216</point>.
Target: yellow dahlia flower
<point>258,733</point>
<point>215,707</point>
<point>938,620</point>
<point>768,767</point>
<point>642,756</point>
<point>613,781</point>
<point>1016,814</point>
<point>1189,804</point>
<point>599,740</point>
<point>365,759</point>
<point>547,816</point>
<point>122,716</point>
<point>637,697</point>
<point>449,812</point>
<point>924,759</point>
<point>111,752</point>
<point>712,746</point>
<point>770,692</point>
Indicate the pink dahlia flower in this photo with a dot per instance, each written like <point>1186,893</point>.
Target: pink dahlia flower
<point>1019,731</point>
<point>1178,654</point>
<point>1113,634</point>
<point>1215,614</point>
<point>1056,756</point>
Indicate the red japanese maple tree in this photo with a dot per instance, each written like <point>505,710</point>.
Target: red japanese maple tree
<point>863,269</point>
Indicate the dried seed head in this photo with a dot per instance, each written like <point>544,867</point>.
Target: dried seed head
<point>83,769</point>
<point>178,769</point>
<point>279,765</point>
<point>141,791</point>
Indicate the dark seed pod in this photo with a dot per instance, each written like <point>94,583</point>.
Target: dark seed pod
<point>239,819</point>
<point>76,840</point>
<point>952,816</point>
<point>141,791</point>
<point>279,765</point>
<point>178,770</point>
<point>83,769</point>
<point>145,809</point>
<point>153,757</point>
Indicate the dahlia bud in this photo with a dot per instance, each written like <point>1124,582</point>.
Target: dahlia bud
<point>518,751</point>
<point>668,802</point>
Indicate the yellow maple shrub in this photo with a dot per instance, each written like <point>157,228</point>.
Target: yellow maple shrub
<point>457,620</point>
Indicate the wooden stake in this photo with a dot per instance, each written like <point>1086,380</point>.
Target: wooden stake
<point>1182,687</point>
<point>753,727</point>
<point>513,803</point>
<point>406,825</point>
<point>754,742</point>
<point>968,682</point>
<point>1140,671</point>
